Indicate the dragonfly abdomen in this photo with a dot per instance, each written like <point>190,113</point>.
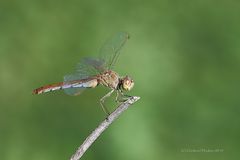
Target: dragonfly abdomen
<point>48,88</point>
<point>65,85</point>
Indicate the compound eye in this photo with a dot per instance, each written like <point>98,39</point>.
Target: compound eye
<point>127,84</point>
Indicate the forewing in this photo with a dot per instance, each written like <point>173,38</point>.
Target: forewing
<point>94,65</point>
<point>111,49</point>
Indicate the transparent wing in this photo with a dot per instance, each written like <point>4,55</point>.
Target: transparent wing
<point>94,65</point>
<point>111,49</point>
<point>87,67</point>
<point>72,91</point>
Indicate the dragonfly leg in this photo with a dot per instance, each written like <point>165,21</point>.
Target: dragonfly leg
<point>117,97</point>
<point>123,97</point>
<point>102,102</point>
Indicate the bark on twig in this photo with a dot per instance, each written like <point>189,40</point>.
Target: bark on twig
<point>104,125</point>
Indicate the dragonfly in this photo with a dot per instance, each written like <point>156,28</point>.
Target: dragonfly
<point>92,72</point>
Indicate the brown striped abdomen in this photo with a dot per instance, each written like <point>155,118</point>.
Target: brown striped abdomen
<point>47,88</point>
<point>84,83</point>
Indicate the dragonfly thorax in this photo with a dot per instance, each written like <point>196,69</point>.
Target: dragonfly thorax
<point>110,79</point>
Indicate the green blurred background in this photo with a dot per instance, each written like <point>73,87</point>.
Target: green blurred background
<point>183,55</point>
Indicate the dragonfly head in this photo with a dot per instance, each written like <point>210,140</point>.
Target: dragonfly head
<point>127,83</point>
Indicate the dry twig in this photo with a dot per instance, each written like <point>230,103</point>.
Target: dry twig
<point>104,125</point>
